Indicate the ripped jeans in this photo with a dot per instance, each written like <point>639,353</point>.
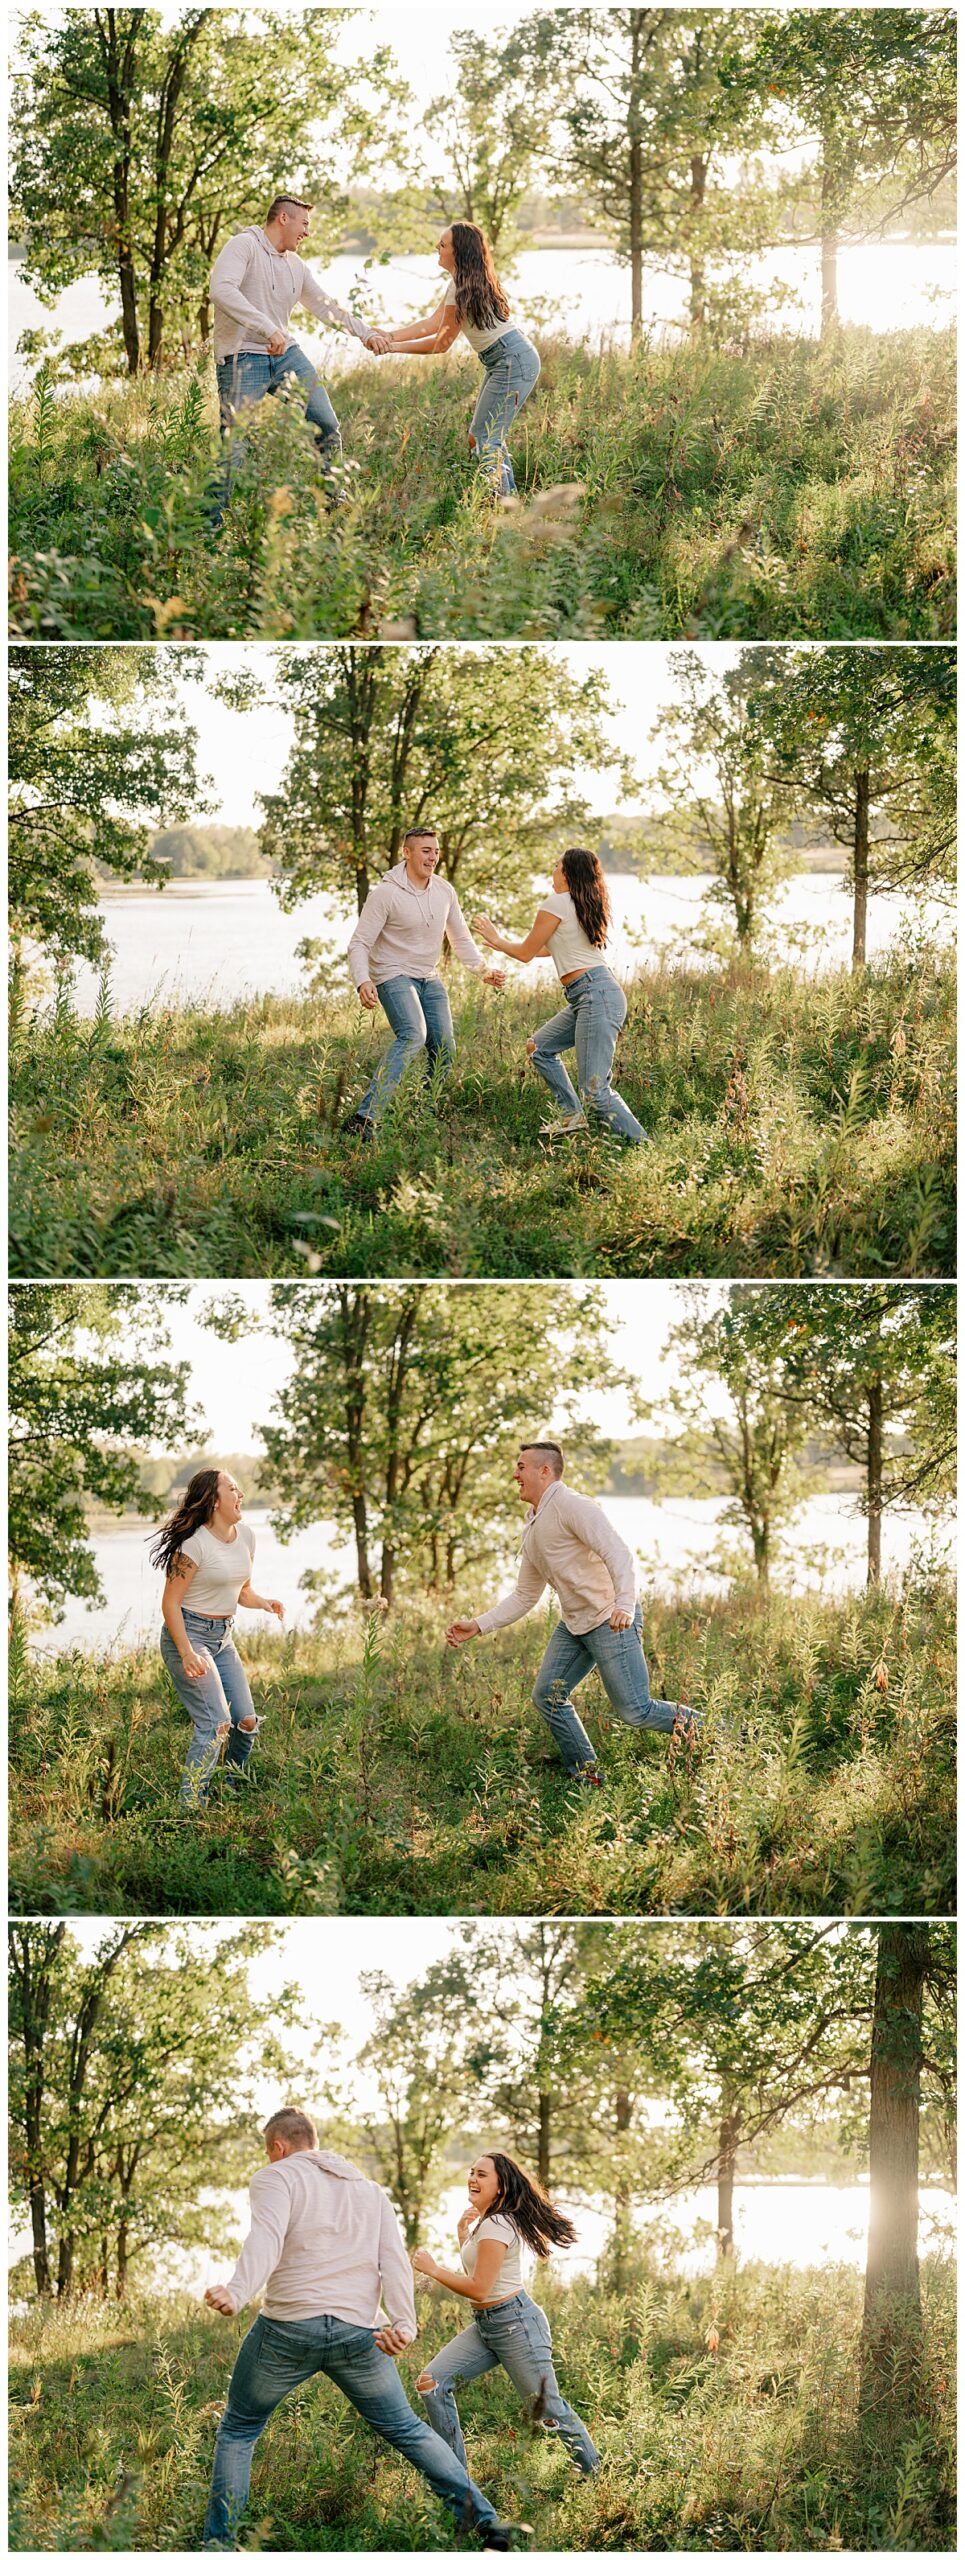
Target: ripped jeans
<point>515,2334</point>
<point>594,1012</point>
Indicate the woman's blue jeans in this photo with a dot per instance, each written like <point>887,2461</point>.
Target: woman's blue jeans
<point>594,1012</point>
<point>418,1010</point>
<point>275,2358</point>
<point>511,368</point>
<point>617,1654</point>
<point>515,2334</point>
<point>221,1697</point>
<point>245,379</point>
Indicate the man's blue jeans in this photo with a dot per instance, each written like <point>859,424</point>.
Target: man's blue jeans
<point>418,1010</point>
<point>511,368</point>
<point>243,381</point>
<point>275,2358</point>
<point>515,2334</point>
<point>222,1697</point>
<point>617,1654</point>
<point>595,1010</point>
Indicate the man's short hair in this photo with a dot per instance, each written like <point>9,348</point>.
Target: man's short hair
<point>290,2125</point>
<point>287,204</point>
<point>548,1450</point>
<point>412,835</point>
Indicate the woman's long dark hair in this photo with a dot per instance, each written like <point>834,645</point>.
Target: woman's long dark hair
<point>527,2206</point>
<point>586,881</point>
<point>479,295</point>
<point>194,1511</point>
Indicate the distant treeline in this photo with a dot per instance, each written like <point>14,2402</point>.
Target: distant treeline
<point>205,853</point>
<point>641,1465</point>
<point>673,841</point>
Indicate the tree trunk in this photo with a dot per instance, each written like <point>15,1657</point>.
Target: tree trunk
<point>698,273</point>
<point>862,857</point>
<point>622,2224</point>
<point>829,245</point>
<point>726,2159</point>
<point>636,174</point>
<point>119,77</point>
<point>543,2154</point>
<point>122,2244</point>
<point>892,2300</point>
<point>875,1439</point>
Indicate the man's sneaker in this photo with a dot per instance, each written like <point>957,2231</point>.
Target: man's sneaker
<point>502,2537</point>
<point>358,1126</point>
<point>575,1120</point>
<point>591,1774</point>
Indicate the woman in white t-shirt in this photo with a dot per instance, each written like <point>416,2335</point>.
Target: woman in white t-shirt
<point>507,2211</point>
<point>207,1550</point>
<point>571,926</point>
<point>474,302</point>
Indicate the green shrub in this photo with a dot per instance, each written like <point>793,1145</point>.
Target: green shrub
<point>431,1786</point>
<point>790,491</point>
<point>758,2445</point>
<point>798,1126</point>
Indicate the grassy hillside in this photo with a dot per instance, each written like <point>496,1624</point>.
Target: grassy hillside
<point>789,491</point>
<point>798,1126</point>
<point>419,1780</point>
<point>756,2445</point>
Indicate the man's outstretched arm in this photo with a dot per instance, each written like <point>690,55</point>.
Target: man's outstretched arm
<point>270,2207</point>
<point>398,2290</point>
<point>517,1604</point>
<point>322,307</point>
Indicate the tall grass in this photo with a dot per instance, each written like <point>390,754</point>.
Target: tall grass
<point>418,1781</point>
<point>755,2446</point>
<point>791,490</point>
<point>798,1126</point>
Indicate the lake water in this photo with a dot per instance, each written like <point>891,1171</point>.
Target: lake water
<point>898,284</point>
<point>222,942</point>
<point>777,2223</point>
<point>670,1538</point>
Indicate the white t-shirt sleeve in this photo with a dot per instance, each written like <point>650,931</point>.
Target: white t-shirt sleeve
<point>495,2226</point>
<point>449,295</point>
<point>555,903</point>
<point>193,1547</point>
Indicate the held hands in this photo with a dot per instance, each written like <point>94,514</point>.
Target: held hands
<point>378,342</point>
<point>368,996</point>
<point>494,977</point>
<point>459,1633</point>
<point>621,1618</point>
<point>390,2341</point>
<point>218,2298</point>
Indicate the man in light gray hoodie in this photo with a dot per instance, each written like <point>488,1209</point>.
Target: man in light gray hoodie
<point>569,1543</point>
<point>256,280</point>
<point>394,957</point>
<point>325,2249</point>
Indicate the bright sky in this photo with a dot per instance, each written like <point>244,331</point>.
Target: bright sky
<point>325,1961</point>
<point>235,1383</point>
<point>245,752</point>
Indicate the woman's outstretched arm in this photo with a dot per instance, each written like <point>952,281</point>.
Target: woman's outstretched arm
<point>427,337</point>
<point>537,939</point>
